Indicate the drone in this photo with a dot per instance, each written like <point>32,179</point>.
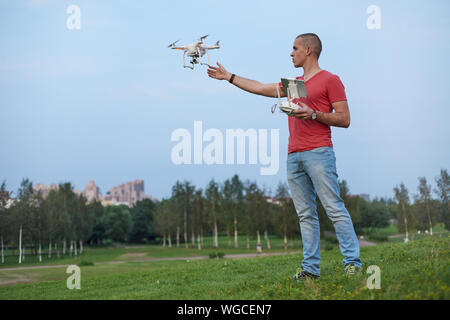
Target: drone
<point>195,50</point>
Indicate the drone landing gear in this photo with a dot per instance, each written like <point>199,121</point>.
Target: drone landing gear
<point>184,63</point>
<point>205,64</point>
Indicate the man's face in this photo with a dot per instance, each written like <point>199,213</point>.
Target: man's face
<point>299,53</point>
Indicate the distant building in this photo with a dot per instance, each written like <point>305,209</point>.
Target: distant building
<point>39,187</point>
<point>127,193</point>
<point>92,192</point>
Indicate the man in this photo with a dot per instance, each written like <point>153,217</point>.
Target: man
<point>311,163</point>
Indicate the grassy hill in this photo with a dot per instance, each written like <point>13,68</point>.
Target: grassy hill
<point>416,270</point>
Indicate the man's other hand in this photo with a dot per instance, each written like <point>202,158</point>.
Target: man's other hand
<point>305,113</point>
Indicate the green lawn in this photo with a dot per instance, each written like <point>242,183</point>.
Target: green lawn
<point>416,270</point>
<point>141,252</point>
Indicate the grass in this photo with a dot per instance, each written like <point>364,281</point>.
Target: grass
<point>142,252</point>
<point>438,230</point>
<point>415,270</point>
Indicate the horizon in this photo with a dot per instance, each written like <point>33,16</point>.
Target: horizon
<point>269,192</point>
<point>98,96</point>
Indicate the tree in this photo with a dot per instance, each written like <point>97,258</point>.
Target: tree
<point>22,211</point>
<point>425,199</point>
<point>443,192</point>
<point>212,201</point>
<point>237,196</point>
<point>227,208</point>
<point>70,220</point>
<point>286,215</point>
<point>266,211</point>
<point>86,222</point>
<point>117,222</point>
<point>4,217</point>
<point>96,211</point>
<point>343,189</point>
<point>355,205</point>
<point>254,210</point>
<point>401,195</point>
<point>142,216</point>
<point>40,221</point>
<point>198,216</point>
<point>182,197</point>
<point>162,221</point>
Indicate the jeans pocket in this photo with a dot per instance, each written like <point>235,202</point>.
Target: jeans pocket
<point>321,150</point>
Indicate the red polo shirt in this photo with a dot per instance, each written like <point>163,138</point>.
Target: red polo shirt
<point>323,89</point>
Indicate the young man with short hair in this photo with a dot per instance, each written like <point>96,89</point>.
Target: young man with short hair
<point>311,163</point>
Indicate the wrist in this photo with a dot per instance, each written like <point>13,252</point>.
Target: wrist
<point>231,77</point>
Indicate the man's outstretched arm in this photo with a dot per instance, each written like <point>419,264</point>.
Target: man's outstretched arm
<point>252,86</point>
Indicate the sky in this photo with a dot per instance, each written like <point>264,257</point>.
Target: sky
<point>102,101</point>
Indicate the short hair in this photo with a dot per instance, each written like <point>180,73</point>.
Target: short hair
<point>312,40</point>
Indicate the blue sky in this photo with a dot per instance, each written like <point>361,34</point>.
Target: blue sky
<point>100,103</point>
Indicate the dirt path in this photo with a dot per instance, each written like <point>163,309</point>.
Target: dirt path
<point>16,279</point>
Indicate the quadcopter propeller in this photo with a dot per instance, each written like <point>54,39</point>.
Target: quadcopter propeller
<point>204,37</point>
<point>172,44</point>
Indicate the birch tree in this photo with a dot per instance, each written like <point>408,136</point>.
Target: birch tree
<point>402,197</point>
<point>4,197</point>
<point>443,191</point>
<point>287,222</point>
<point>212,196</point>
<point>198,216</point>
<point>22,213</point>
<point>178,201</point>
<point>227,208</point>
<point>237,191</point>
<point>425,199</point>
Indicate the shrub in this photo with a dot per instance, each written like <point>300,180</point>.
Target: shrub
<point>213,255</point>
<point>107,242</point>
<point>378,237</point>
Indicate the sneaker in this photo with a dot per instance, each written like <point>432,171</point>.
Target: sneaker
<point>351,270</point>
<point>302,275</point>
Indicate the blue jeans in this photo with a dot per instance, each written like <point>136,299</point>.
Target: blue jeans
<point>310,172</point>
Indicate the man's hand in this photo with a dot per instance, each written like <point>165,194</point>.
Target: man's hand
<point>218,73</point>
<point>305,113</point>
<point>267,90</point>
<point>339,118</point>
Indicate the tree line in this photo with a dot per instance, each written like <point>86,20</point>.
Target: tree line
<point>421,211</point>
<point>62,222</point>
